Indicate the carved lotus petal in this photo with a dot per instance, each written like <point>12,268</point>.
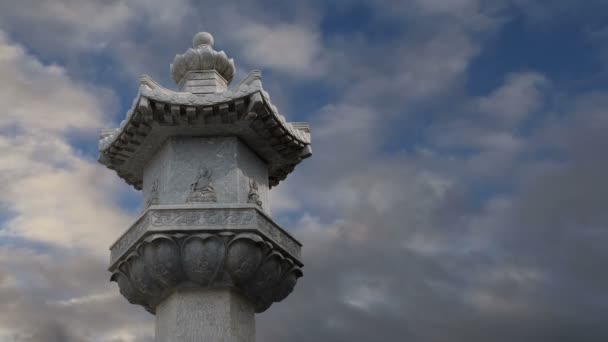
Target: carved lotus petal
<point>161,256</point>
<point>206,59</point>
<point>244,257</point>
<point>262,305</point>
<point>267,274</point>
<point>178,68</point>
<point>224,65</point>
<point>127,290</point>
<point>286,285</point>
<point>202,257</point>
<point>191,59</point>
<point>141,279</point>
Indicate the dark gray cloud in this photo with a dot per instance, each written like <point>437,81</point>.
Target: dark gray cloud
<point>67,297</point>
<point>414,263</point>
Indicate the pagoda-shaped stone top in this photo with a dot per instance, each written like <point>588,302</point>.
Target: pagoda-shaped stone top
<point>203,107</point>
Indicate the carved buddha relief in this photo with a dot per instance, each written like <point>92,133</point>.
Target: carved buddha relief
<point>202,189</point>
<point>254,196</point>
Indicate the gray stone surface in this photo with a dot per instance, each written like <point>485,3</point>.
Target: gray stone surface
<point>214,315</point>
<point>224,165</point>
<point>203,82</point>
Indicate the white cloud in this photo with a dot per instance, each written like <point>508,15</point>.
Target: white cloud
<point>67,295</point>
<point>99,16</point>
<point>52,193</point>
<point>55,198</point>
<point>133,32</point>
<point>289,48</point>
<point>72,24</point>
<point>63,27</point>
<point>41,98</point>
<point>414,69</point>
<point>365,294</point>
<point>87,299</point>
<point>520,96</point>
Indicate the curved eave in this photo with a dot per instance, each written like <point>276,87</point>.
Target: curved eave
<point>245,109</point>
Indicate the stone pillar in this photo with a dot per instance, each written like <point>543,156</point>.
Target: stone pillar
<point>205,255</point>
<point>214,314</point>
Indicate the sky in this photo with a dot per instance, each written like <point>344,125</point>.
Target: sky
<point>457,186</point>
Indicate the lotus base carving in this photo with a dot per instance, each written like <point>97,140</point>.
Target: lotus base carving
<point>161,263</point>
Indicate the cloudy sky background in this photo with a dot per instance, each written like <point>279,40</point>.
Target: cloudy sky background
<point>456,192</point>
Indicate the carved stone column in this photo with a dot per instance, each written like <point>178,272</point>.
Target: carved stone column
<point>205,255</point>
<point>213,314</point>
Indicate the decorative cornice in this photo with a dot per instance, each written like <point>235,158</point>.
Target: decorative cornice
<point>162,263</point>
<point>196,218</point>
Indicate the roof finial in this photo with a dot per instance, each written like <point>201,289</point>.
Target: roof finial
<point>202,57</point>
<point>202,38</point>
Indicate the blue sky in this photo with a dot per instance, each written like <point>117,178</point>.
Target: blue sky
<point>456,190</point>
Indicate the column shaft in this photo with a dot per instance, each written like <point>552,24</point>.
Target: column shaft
<point>205,315</point>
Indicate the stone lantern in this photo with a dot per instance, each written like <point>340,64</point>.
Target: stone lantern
<point>205,254</point>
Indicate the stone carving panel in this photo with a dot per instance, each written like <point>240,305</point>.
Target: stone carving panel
<point>201,218</point>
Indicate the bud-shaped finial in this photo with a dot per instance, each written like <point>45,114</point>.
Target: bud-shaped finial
<point>202,57</point>
<point>202,38</point>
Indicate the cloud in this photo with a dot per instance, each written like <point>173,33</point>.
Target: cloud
<point>51,192</point>
<point>56,21</point>
<point>470,15</point>
<point>422,247</point>
<point>59,296</point>
<point>59,210</point>
<point>420,262</point>
<point>289,48</point>
<point>71,26</point>
<point>519,97</point>
<point>132,33</point>
<point>494,120</point>
<point>41,98</point>
<point>487,134</point>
